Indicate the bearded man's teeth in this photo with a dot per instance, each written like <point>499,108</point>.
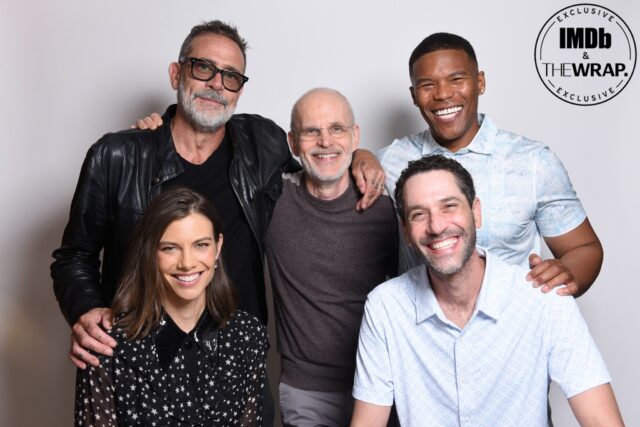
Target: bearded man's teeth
<point>444,244</point>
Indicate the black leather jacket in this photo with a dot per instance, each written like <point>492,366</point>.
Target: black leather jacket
<point>123,172</point>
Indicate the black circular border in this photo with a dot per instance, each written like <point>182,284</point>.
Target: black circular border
<point>635,59</point>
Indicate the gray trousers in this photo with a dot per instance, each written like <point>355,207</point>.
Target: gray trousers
<point>306,408</point>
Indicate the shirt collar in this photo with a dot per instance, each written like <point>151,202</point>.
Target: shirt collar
<point>491,293</point>
<point>482,143</point>
<point>489,300</point>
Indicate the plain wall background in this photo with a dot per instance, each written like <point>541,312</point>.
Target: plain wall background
<point>74,70</point>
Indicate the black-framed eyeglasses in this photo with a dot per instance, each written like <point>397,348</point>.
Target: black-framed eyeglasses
<point>204,70</point>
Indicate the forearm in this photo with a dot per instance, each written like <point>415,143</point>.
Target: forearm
<point>596,407</point>
<point>76,269</point>
<point>369,415</point>
<point>584,262</point>
<point>75,283</point>
<point>361,156</point>
<point>580,252</point>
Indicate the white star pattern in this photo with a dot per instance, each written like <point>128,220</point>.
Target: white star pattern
<point>131,388</point>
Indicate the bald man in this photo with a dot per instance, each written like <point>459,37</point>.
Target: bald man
<point>324,258</point>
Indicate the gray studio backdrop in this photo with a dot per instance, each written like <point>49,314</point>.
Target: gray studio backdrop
<point>75,69</point>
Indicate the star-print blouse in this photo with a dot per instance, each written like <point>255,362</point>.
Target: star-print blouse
<point>209,377</point>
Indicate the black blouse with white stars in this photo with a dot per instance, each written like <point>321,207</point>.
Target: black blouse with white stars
<point>209,377</point>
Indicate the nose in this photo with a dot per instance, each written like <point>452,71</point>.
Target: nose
<point>324,139</point>
<point>186,260</point>
<point>443,91</point>
<point>216,82</point>
<point>436,224</point>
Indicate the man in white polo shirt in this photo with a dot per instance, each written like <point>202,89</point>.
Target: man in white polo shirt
<point>460,340</point>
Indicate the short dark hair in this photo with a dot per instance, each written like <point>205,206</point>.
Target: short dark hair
<point>434,163</point>
<point>214,27</point>
<point>441,41</point>
<point>141,291</point>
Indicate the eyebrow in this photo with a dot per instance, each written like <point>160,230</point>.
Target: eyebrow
<point>169,242</point>
<point>341,124</point>
<point>440,201</point>
<point>224,67</point>
<point>459,73</point>
<point>450,199</point>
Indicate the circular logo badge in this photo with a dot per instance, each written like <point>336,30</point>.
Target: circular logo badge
<point>585,54</point>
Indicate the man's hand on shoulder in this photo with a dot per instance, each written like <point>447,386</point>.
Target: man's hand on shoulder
<point>369,176</point>
<point>88,333</point>
<point>151,122</point>
<point>550,273</point>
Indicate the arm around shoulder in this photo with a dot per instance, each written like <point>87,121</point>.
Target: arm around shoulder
<point>75,271</point>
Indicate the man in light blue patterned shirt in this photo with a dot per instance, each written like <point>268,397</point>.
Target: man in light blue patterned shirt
<point>459,340</point>
<point>525,190</point>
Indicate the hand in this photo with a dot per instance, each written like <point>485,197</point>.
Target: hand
<point>150,122</point>
<point>88,333</point>
<point>369,177</point>
<point>549,274</point>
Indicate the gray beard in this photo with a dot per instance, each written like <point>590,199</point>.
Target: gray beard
<point>449,270</point>
<point>204,121</point>
<point>321,179</point>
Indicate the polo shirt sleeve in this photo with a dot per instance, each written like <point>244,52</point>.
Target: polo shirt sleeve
<point>373,380</point>
<point>558,209</point>
<point>575,363</point>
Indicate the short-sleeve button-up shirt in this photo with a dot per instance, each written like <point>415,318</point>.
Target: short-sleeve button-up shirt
<point>524,189</point>
<point>494,371</point>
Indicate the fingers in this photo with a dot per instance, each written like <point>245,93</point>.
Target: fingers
<point>534,259</point>
<point>77,362</point>
<point>91,335</point>
<point>140,124</point>
<point>156,121</point>
<point>374,179</point>
<point>80,357</point>
<point>150,122</point>
<point>107,322</point>
<point>358,175</point>
<point>369,177</point>
<point>569,289</point>
<point>549,274</point>
<point>87,335</point>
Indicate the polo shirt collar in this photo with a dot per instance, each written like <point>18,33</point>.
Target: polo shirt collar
<point>482,143</point>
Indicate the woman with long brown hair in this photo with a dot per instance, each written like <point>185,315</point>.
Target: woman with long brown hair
<point>185,355</point>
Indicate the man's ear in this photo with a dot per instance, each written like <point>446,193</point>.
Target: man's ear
<point>356,137</point>
<point>292,143</point>
<point>174,75</point>
<point>413,95</point>
<point>482,82</point>
<point>477,212</point>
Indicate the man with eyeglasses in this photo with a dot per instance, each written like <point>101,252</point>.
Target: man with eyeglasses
<point>324,258</point>
<point>236,161</point>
